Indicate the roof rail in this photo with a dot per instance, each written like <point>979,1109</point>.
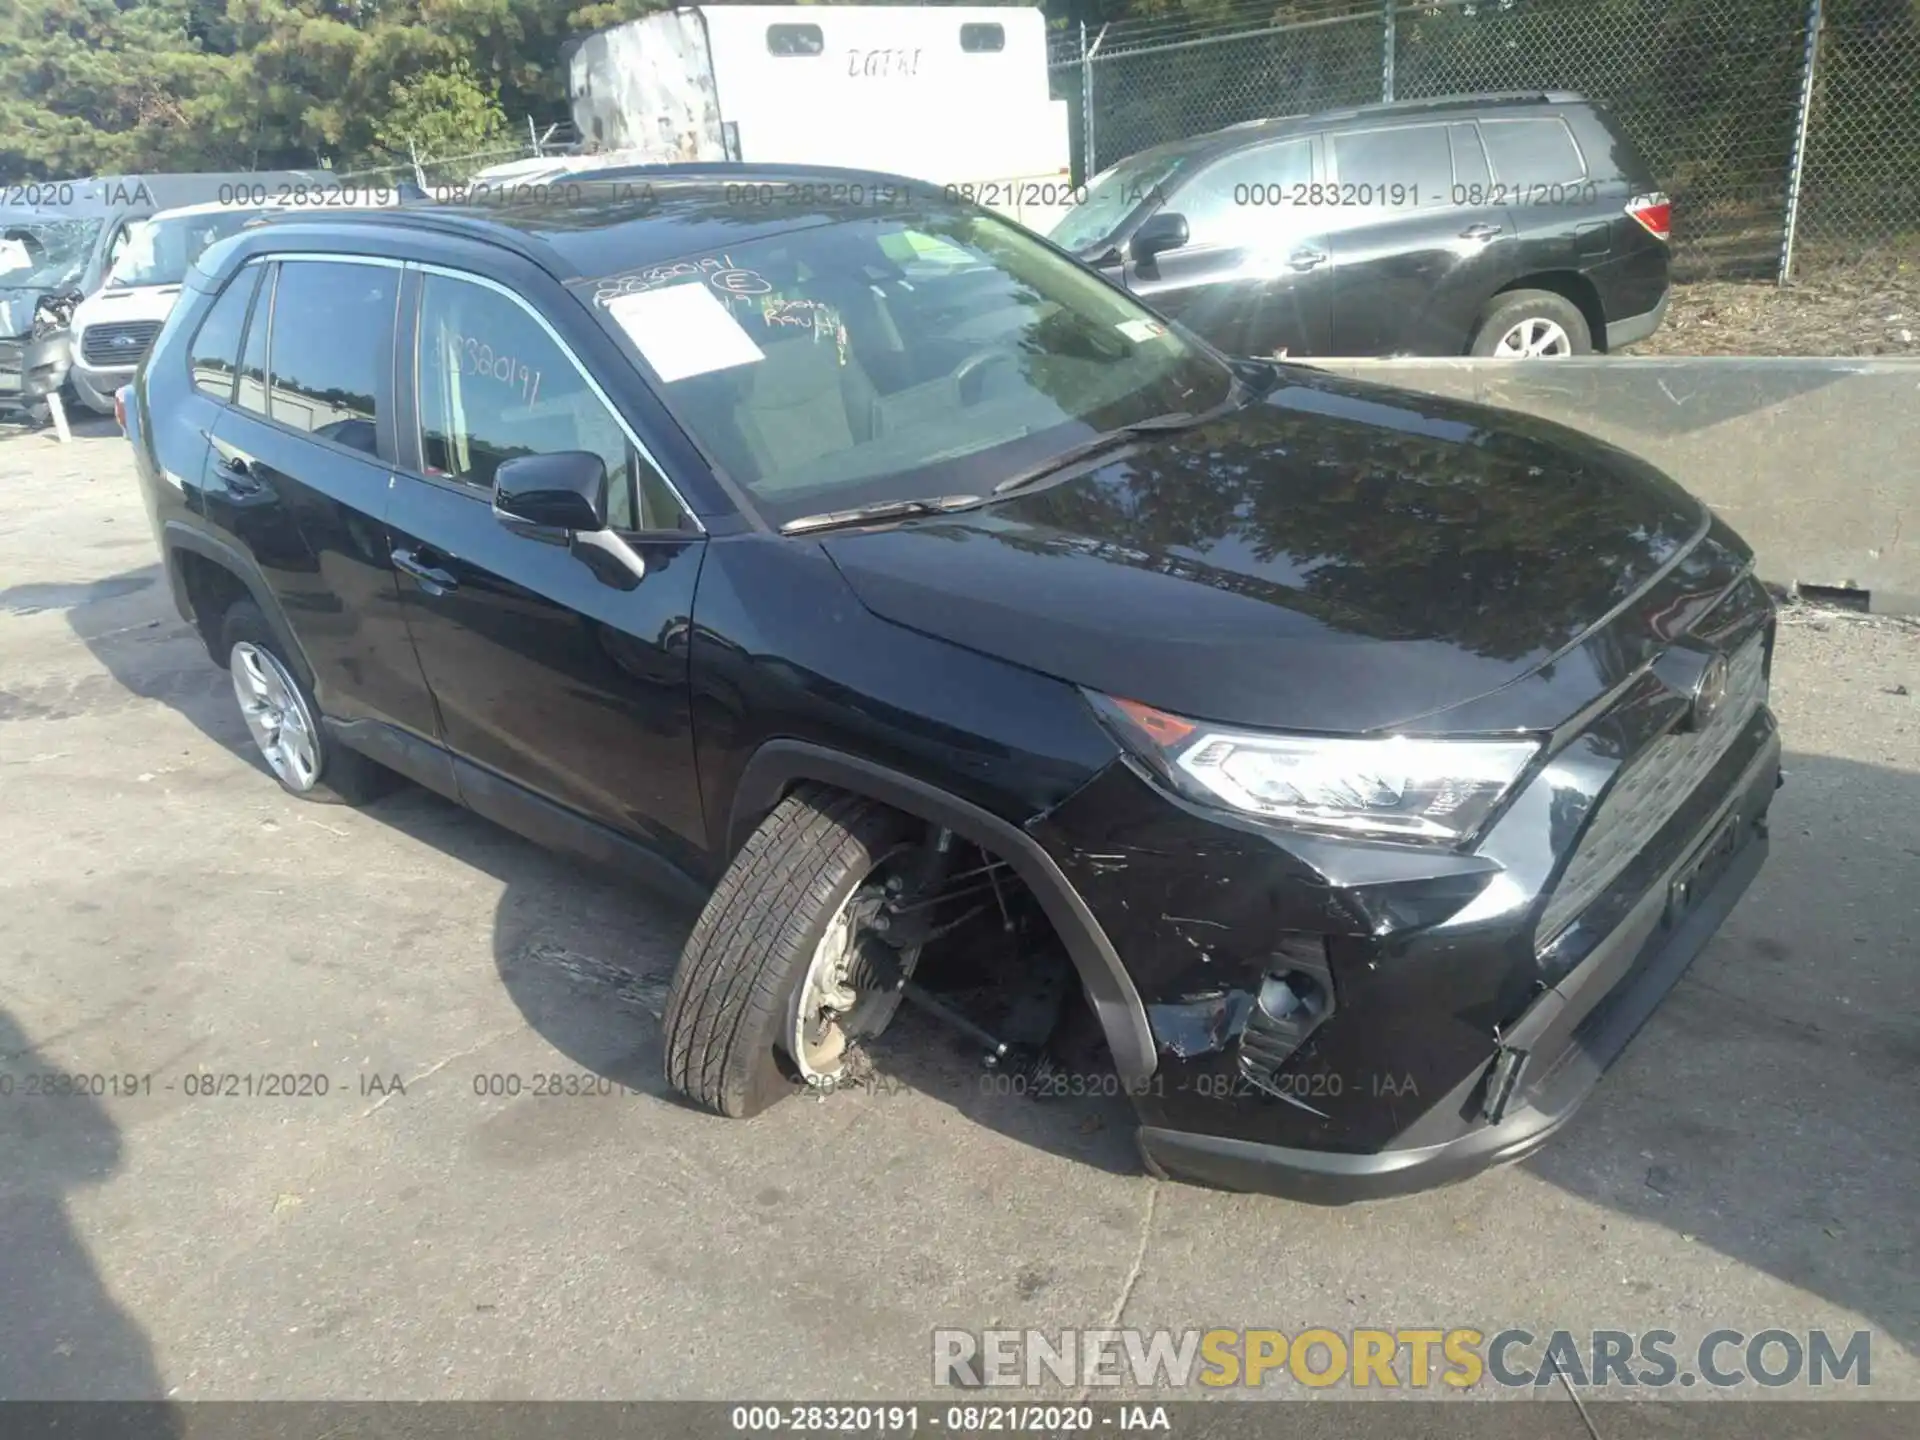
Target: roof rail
<point>446,222</point>
<point>1446,102</point>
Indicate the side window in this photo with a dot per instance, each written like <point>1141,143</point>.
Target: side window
<point>1409,166</point>
<point>983,39</point>
<point>795,40</point>
<point>214,355</point>
<point>122,238</point>
<point>1248,197</point>
<point>252,394</point>
<point>1533,152</point>
<point>331,326</point>
<point>1470,174</point>
<point>494,385</point>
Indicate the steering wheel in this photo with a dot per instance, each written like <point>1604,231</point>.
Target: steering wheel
<point>975,363</point>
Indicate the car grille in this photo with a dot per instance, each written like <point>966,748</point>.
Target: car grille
<point>1651,791</point>
<point>123,344</point>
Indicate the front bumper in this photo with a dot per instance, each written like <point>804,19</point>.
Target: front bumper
<point>1571,1035</point>
<point>31,369</point>
<point>96,386</point>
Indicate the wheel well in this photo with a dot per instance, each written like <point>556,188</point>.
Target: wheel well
<point>1570,285</point>
<point>211,590</point>
<point>782,765</point>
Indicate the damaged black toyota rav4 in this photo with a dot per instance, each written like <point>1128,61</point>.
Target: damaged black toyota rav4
<point>860,563</point>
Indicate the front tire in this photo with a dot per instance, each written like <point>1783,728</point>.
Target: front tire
<point>284,721</point>
<point>781,972</point>
<point>1531,325</point>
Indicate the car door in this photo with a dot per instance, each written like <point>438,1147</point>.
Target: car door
<point>1253,275</point>
<point>1418,247</point>
<point>561,674</point>
<point>297,470</point>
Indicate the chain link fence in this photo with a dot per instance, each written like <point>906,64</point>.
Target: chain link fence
<point>1743,107</point>
<point>451,171</point>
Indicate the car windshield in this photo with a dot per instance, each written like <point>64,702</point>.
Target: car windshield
<point>162,250</point>
<point>892,358</point>
<point>1112,196</point>
<point>38,253</point>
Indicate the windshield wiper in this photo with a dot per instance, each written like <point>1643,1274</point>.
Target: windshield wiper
<point>1113,440</point>
<point>880,510</point>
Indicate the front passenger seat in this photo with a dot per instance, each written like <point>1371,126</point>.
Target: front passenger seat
<point>802,404</point>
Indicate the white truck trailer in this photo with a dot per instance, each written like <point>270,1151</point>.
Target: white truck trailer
<point>948,95</point>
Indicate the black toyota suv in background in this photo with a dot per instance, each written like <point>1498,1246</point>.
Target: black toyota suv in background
<point>857,563</point>
<point>1520,226</point>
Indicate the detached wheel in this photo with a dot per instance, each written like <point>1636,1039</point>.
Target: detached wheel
<point>284,721</point>
<point>1531,325</point>
<point>786,966</point>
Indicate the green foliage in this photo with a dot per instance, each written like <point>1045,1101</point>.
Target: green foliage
<point>98,86</point>
<point>444,112</point>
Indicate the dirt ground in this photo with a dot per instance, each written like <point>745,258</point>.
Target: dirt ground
<point>1867,306</point>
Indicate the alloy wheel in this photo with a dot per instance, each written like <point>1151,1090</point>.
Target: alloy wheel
<point>1535,338</point>
<point>276,715</point>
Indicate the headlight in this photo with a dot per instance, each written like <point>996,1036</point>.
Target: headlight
<point>1395,788</point>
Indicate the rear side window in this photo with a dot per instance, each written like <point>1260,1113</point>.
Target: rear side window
<point>214,356</point>
<point>252,394</point>
<point>1470,174</point>
<point>332,324</point>
<point>795,40</point>
<point>983,39</point>
<point>493,384</point>
<point>1413,164</point>
<point>1533,152</point>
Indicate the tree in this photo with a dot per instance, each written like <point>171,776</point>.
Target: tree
<point>445,112</point>
<point>95,86</point>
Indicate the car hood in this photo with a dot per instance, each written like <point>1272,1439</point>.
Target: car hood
<point>131,302</point>
<point>1332,556</point>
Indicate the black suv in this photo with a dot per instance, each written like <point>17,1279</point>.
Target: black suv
<point>859,563</point>
<point>1518,226</point>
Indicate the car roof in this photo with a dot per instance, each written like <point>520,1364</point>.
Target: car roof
<point>1278,127</point>
<point>607,221</point>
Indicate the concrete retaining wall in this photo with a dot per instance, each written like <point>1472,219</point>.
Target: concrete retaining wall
<point>1816,462</point>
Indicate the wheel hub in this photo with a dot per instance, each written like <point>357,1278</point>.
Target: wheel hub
<point>839,998</point>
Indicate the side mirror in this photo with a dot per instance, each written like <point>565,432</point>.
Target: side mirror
<point>1166,230</point>
<point>566,490</point>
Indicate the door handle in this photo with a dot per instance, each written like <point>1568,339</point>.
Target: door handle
<point>239,474</point>
<point>1480,232</point>
<point>1307,259</point>
<point>433,580</point>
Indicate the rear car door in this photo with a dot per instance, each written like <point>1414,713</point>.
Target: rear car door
<point>557,672</point>
<point>1420,242</point>
<point>1569,207</point>
<point>1253,275</point>
<point>297,470</point>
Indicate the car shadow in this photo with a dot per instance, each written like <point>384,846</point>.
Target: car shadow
<point>1766,1112</point>
<point>63,1336</point>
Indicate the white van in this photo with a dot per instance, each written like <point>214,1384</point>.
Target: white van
<point>949,95</point>
<point>114,327</point>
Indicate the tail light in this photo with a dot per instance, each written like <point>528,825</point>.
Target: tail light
<point>120,408</point>
<point>1655,214</point>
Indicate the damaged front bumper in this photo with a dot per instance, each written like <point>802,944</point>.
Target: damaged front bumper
<point>1335,1020</point>
<point>32,368</point>
<point>1542,1067</point>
